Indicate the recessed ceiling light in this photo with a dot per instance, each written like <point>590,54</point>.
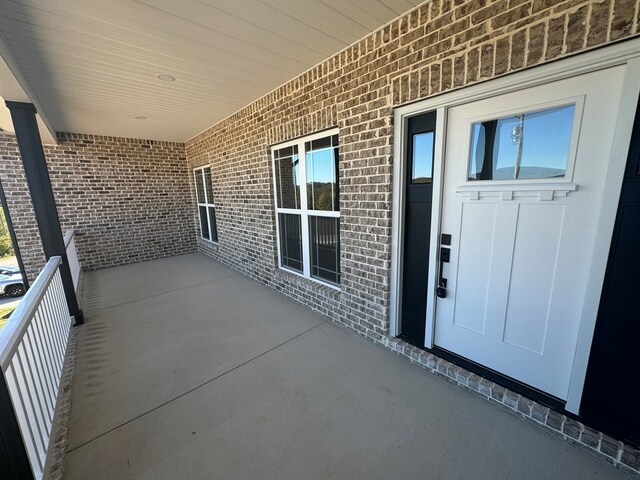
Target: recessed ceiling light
<point>140,117</point>
<point>166,78</point>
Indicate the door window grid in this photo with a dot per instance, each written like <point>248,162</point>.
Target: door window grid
<point>311,163</point>
<point>206,207</point>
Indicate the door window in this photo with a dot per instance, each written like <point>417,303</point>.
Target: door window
<point>422,161</point>
<point>525,146</point>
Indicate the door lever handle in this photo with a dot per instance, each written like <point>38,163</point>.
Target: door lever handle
<point>445,254</point>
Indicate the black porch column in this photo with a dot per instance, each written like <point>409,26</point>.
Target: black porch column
<point>44,206</point>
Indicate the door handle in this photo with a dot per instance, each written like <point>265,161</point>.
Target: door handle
<point>445,254</point>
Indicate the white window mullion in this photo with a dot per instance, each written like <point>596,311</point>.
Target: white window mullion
<point>204,184</point>
<point>304,220</point>
<point>293,211</point>
<point>209,225</point>
<point>276,173</point>
<point>206,203</point>
<point>325,213</point>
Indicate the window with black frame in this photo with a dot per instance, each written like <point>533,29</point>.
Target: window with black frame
<point>308,206</point>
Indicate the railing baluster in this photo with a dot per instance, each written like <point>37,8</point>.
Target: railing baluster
<point>32,353</point>
<point>33,373</point>
<point>27,393</point>
<point>43,392</point>
<point>46,342</point>
<point>43,351</point>
<point>49,318</point>
<point>29,436</point>
<point>61,320</point>
<point>60,304</point>
<point>55,346</point>
<point>25,429</point>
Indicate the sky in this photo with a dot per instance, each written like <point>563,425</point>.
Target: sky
<point>546,139</point>
<point>320,166</point>
<point>422,155</point>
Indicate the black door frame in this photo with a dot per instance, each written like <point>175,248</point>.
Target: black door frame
<point>416,205</point>
<point>606,382</point>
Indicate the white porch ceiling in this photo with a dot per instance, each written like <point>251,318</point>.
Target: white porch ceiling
<point>93,64</point>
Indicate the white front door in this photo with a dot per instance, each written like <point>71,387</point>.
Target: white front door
<point>524,175</point>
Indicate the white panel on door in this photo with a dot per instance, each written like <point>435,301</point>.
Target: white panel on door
<point>474,276</point>
<point>533,271</point>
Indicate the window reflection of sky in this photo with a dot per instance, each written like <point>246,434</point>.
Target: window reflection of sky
<point>546,140</point>
<point>422,156</point>
<point>320,166</point>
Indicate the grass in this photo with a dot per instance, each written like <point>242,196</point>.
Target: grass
<point>5,313</point>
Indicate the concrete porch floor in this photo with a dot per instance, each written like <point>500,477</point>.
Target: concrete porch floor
<point>189,370</point>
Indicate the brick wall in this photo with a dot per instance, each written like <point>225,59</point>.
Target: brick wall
<point>127,199</point>
<point>440,46</point>
<point>437,47</point>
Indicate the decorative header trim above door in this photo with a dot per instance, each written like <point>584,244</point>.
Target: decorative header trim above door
<point>543,192</point>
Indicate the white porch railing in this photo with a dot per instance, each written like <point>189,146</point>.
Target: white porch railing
<point>72,256</point>
<point>32,350</point>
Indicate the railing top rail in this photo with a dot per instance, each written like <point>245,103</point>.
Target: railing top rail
<point>13,331</point>
<point>68,237</point>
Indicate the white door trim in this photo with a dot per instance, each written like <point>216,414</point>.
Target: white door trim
<point>626,53</point>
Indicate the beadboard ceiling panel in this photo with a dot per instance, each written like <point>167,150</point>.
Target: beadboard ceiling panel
<point>93,64</point>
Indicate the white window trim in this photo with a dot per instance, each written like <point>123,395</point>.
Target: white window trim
<point>207,203</point>
<point>524,183</point>
<point>303,211</point>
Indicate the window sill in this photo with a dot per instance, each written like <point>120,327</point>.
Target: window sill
<point>209,242</point>
<point>313,284</point>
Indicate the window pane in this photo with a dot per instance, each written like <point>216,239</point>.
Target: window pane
<point>422,161</point>
<point>287,152</point>
<point>213,227</point>
<point>290,241</point>
<point>199,186</point>
<point>207,184</point>
<point>325,248</point>
<point>526,146</point>
<point>322,175</point>
<point>204,227</point>
<point>288,177</point>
